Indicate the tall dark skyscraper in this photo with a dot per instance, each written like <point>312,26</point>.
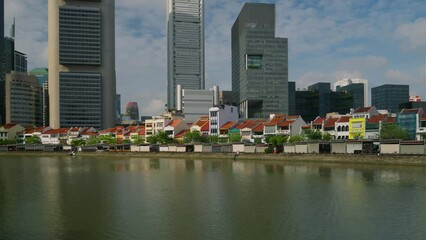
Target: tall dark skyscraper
<point>185,47</point>
<point>81,46</point>
<point>2,80</point>
<point>259,63</point>
<point>389,96</point>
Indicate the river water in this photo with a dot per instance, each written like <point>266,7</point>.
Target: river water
<point>122,198</point>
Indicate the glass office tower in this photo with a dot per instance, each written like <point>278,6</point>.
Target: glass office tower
<point>259,63</point>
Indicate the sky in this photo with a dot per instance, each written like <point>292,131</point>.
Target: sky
<point>383,41</point>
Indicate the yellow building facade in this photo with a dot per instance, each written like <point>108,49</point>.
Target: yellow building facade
<point>357,128</point>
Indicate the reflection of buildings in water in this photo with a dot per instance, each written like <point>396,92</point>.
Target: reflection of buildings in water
<point>388,176</point>
<point>243,167</point>
<point>154,164</point>
<point>295,169</point>
<point>198,165</point>
<point>237,167</point>
<point>368,175</point>
<point>324,171</point>
<point>189,164</point>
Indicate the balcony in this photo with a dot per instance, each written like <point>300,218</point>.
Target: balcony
<point>283,132</point>
<point>421,130</point>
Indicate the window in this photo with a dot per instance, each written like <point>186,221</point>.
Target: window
<point>254,61</point>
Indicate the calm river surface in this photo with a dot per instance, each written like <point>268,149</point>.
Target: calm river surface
<point>121,198</point>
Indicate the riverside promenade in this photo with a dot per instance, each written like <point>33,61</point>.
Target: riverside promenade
<point>376,159</point>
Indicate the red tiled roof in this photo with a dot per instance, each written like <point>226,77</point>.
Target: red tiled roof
<point>201,122</point>
<point>331,122</point>
<point>57,131</point>
<point>142,132</point>
<point>362,109</point>
<point>182,133</point>
<point>408,111</point>
<point>377,119</point>
<point>174,123</point>
<point>293,117</point>
<point>89,133</point>
<point>227,125</point>
<point>306,127</point>
<point>344,119</point>
<point>285,124</point>
<point>319,120</point>
<point>206,127</point>
<point>391,120</point>
<point>259,127</point>
<point>423,118</point>
<point>9,125</point>
<point>278,118</point>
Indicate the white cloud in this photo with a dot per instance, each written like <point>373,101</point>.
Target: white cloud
<point>413,34</point>
<point>364,63</point>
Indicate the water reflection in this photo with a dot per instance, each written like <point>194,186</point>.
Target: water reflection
<point>141,198</point>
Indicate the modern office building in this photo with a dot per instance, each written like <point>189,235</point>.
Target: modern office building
<point>389,96</point>
<point>185,47</point>
<point>42,75</point>
<point>20,62</point>
<point>1,37</point>
<point>81,43</point>
<point>132,111</point>
<point>319,100</point>
<point>196,103</point>
<point>259,63</point>
<point>292,98</point>
<point>348,81</point>
<point>23,99</point>
<point>357,91</point>
<point>118,106</point>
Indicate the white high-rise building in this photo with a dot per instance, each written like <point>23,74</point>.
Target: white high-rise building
<point>349,81</point>
<point>81,46</point>
<point>185,47</point>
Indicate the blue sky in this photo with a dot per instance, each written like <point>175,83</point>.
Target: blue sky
<point>383,41</point>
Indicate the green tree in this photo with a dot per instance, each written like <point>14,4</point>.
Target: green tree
<point>126,141</point>
<point>93,140</point>
<point>138,141</point>
<point>7,142</point>
<point>313,134</point>
<point>281,139</point>
<point>78,142</point>
<point>108,139</point>
<point>152,139</point>
<point>163,138</point>
<point>194,137</point>
<point>393,131</point>
<point>214,139</point>
<point>234,137</point>
<point>327,136</point>
<point>297,138</point>
<point>32,140</point>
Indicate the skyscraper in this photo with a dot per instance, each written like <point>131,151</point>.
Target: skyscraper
<point>132,110</point>
<point>363,93</point>
<point>389,96</point>
<point>2,82</point>
<point>185,47</point>
<point>259,63</point>
<point>82,63</point>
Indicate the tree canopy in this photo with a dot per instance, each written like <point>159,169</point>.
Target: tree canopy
<point>393,131</point>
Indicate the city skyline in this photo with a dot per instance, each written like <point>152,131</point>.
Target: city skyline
<point>326,43</point>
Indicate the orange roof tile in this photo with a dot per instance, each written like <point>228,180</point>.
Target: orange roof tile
<point>9,125</point>
<point>319,120</point>
<point>390,120</point>
<point>344,119</point>
<point>330,122</point>
<point>227,125</point>
<point>206,127</point>
<point>408,111</point>
<point>306,127</point>
<point>182,133</point>
<point>174,123</point>
<point>285,124</point>
<point>377,119</point>
<point>362,109</point>
<point>259,127</point>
